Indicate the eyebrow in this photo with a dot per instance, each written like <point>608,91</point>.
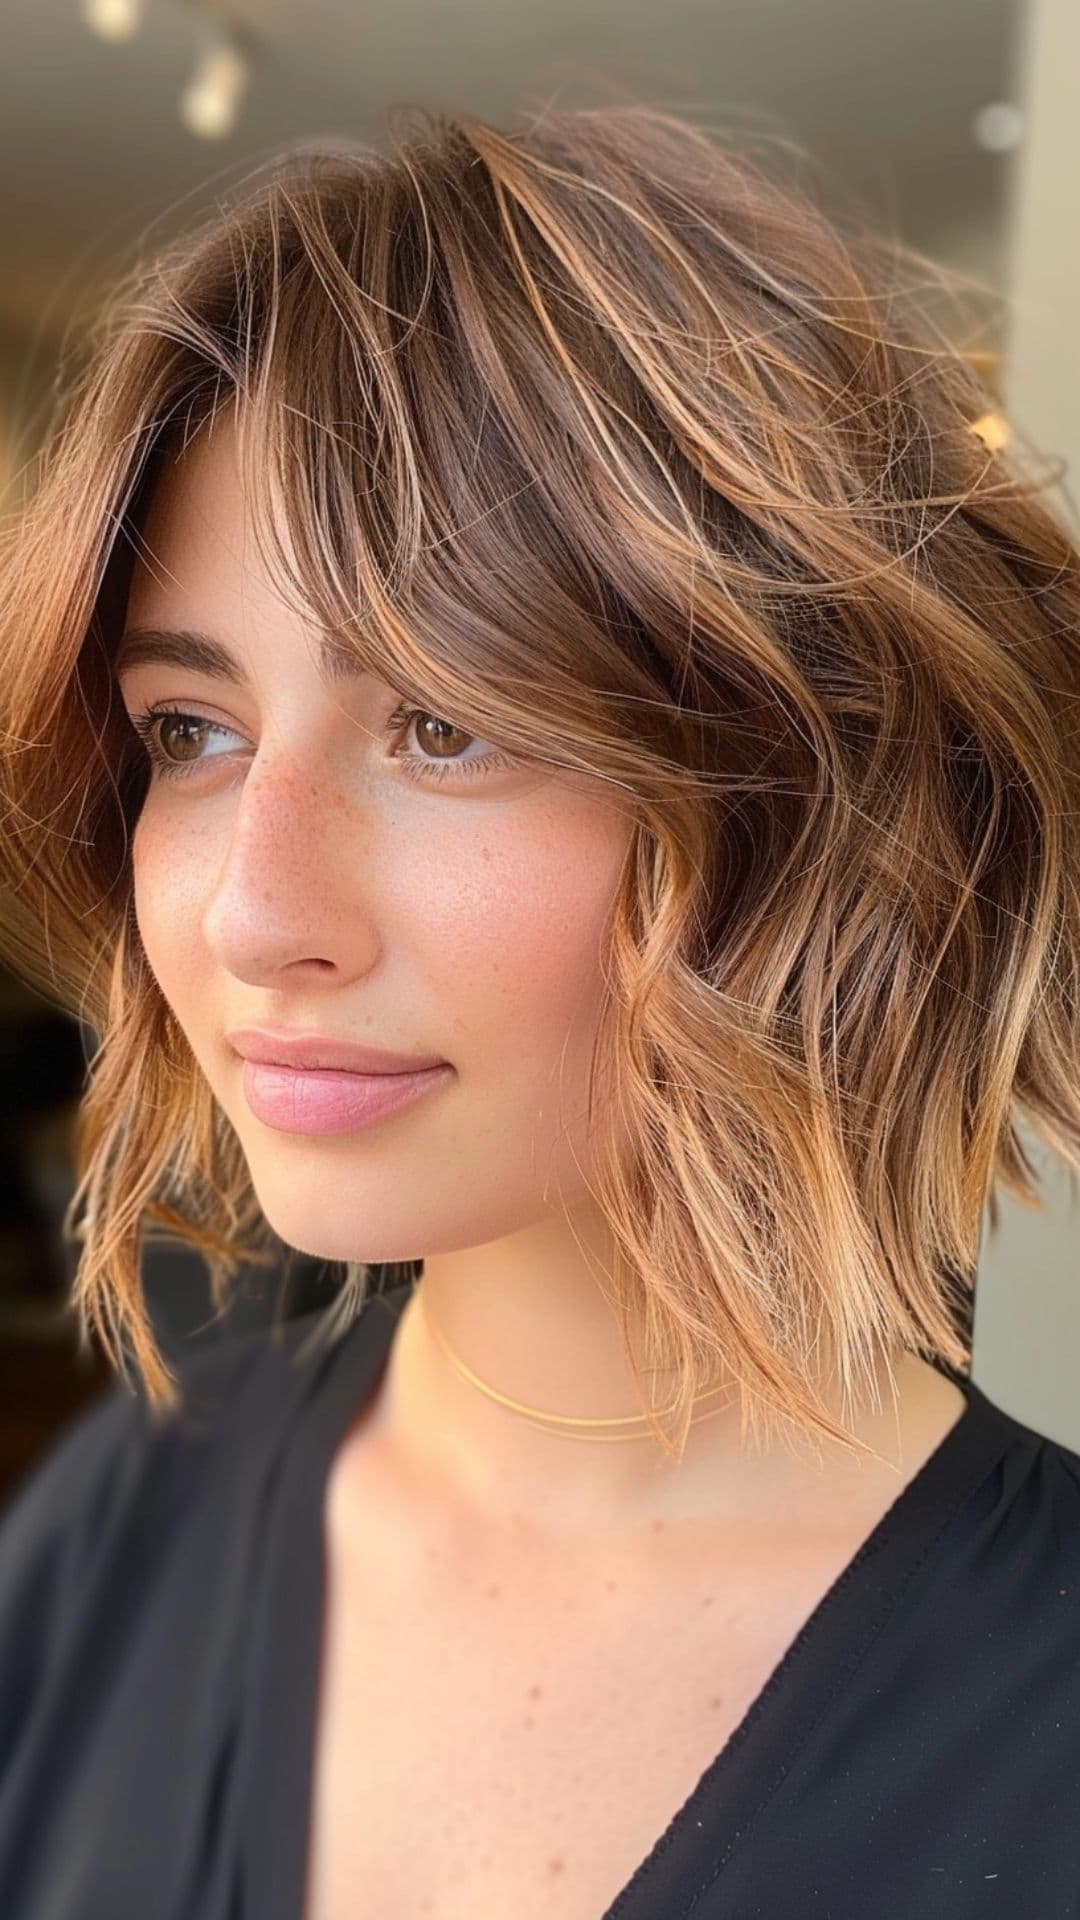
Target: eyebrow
<point>201,653</point>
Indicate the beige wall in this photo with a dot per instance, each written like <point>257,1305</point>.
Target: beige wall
<point>1027,1322</point>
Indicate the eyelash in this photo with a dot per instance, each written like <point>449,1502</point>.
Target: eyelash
<point>145,725</point>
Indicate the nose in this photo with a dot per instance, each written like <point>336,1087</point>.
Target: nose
<point>285,894</point>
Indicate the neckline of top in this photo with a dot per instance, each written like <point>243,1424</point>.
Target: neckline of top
<point>285,1643</point>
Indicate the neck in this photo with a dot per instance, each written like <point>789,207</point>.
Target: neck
<point>540,1332</point>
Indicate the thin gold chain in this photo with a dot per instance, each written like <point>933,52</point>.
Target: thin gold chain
<point>559,1423</point>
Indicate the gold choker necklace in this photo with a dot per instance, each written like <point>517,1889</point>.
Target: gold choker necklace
<point>565,1425</point>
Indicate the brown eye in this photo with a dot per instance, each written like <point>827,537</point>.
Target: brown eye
<point>433,734</point>
<point>436,734</point>
<point>191,730</point>
<point>182,726</point>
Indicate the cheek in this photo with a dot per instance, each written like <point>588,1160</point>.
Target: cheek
<point>518,929</point>
<point>168,876</point>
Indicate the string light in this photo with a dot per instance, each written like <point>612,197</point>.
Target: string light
<point>998,127</point>
<point>993,430</point>
<point>208,104</point>
<point>113,19</point>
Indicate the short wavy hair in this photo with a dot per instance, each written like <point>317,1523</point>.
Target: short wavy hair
<point>602,437</point>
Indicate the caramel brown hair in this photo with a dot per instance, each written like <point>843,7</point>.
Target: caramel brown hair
<point>601,438</point>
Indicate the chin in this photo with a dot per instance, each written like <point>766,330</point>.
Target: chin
<point>319,1239</point>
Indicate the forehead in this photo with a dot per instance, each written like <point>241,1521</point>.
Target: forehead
<point>199,571</point>
<point>196,505</point>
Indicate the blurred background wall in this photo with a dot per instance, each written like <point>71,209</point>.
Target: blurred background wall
<point>953,121</point>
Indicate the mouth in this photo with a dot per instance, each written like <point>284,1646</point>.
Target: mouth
<point>321,1100</point>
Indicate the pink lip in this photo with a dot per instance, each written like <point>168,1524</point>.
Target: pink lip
<point>281,1047</point>
<point>327,1100</point>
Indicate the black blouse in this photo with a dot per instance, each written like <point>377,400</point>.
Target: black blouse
<point>914,1756</point>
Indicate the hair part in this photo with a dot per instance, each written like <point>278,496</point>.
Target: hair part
<point>603,438</point>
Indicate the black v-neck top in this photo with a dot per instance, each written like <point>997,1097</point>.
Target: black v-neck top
<point>914,1756</point>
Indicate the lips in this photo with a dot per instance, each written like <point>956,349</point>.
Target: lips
<point>327,1100</point>
<point>278,1047</point>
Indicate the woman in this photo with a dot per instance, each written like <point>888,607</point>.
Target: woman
<point>544,745</point>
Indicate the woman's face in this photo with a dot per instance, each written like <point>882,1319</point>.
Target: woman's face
<point>292,872</point>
